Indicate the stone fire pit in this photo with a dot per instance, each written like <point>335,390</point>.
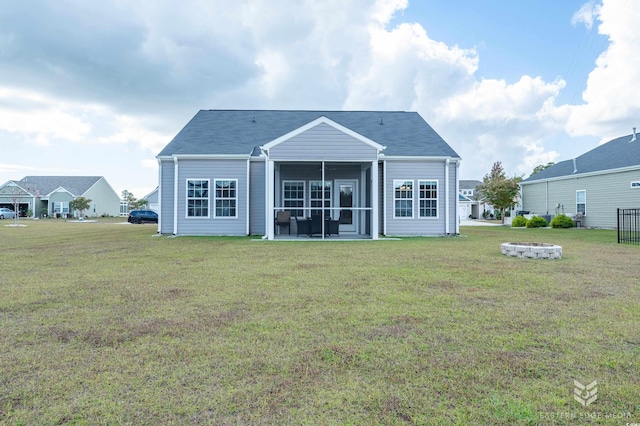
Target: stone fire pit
<point>532,250</point>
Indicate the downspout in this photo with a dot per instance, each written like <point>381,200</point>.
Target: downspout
<point>159,196</point>
<point>446,191</point>
<point>175,195</point>
<point>384,197</point>
<point>322,217</point>
<point>248,192</point>
<point>266,192</point>
<point>457,203</point>
<point>546,196</point>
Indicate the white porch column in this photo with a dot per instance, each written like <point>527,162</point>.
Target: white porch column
<point>374,200</point>
<point>270,202</point>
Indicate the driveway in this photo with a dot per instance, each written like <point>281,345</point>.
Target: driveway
<point>477,223</point>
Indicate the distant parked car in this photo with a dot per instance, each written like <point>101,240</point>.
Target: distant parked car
<point>6,213</point>
<point>140,216</point>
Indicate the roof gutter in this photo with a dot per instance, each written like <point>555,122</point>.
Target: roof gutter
<point>572,176</point>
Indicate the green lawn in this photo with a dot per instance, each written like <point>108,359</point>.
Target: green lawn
<point>102,323</point>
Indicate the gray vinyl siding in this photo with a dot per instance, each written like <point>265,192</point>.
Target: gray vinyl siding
<point>212,170</point>
<point>534,198</point>
<point>257,198</point>
<point>416,171</point>
<point>604,194</point>
<point>105,199</point>
<point>166,197</point>
<point>323,142</point>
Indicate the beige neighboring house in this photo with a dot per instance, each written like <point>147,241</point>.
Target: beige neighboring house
<point>594,184</point>
<point>52,194</point>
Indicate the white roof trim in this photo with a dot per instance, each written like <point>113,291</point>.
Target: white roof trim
<point>15,184</point>
<point>323,120</point>
<point>579,175</point>
<point>417,157</point>
<point>60,189</point>
<point>208,157</point>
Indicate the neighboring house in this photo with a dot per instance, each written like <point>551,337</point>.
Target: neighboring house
<point>468,204</point>
<point>595,184</point>
<point>152,200</point>
<point>228,172</point>
<point>53,194</point>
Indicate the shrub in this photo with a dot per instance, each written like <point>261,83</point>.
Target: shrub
<point>519,222</point>
<point>562,221</point>
<point>536,222</point>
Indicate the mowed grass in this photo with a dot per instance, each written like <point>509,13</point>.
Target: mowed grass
<point>103,323</point>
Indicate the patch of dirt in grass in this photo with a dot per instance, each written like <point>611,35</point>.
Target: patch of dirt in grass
<point>407,319</point>
<point>386,332</point>
<point>305,266</point>
<point>227,317</point>
<point>520,364</point>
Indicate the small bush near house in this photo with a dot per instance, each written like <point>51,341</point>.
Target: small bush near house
<point>519,222</point>
<point>562,221</point>
<point>536,222</point>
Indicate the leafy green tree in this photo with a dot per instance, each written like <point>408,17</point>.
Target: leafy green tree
<point>541,167</point>
<point>132,201</point>
<point>498,190</point>
<point>81,204</point>
<point>138,204</point>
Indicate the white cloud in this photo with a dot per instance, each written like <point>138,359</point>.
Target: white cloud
<point>610,105</point>
<point>128,129</point>
<point>586,15</point>
<point>40,118</point>
<point>134,76</point>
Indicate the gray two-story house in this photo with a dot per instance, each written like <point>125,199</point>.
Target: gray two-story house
<point>229,172</point>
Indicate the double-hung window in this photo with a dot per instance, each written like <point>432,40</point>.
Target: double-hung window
<point>293,197</point>
<point>316,193</point>
<point>198,198</point>
<point>581,202</point>
<point>403,198</point>
<point>226,198</point>
<point>428,198</point>
<point>61,207</point>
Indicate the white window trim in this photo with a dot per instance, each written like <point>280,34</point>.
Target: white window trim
<point>304,196</point>
<point>330,182</point>
<point>186,198</point>
<point>413,196</point>
<point>585,201</point>
<point>437,216</point>
<point>215,198</point>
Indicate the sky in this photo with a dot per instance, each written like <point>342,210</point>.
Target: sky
<point>99,88</point>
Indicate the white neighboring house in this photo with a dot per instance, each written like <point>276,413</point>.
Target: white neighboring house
<point>468,204</point>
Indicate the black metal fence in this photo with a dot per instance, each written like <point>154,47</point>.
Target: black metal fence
<point>628,226</point>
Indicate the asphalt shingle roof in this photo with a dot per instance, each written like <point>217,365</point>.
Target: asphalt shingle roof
<point>469,184</point>
<point>615,154</point>
<point>241,131</point>
<point>77,185</point>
